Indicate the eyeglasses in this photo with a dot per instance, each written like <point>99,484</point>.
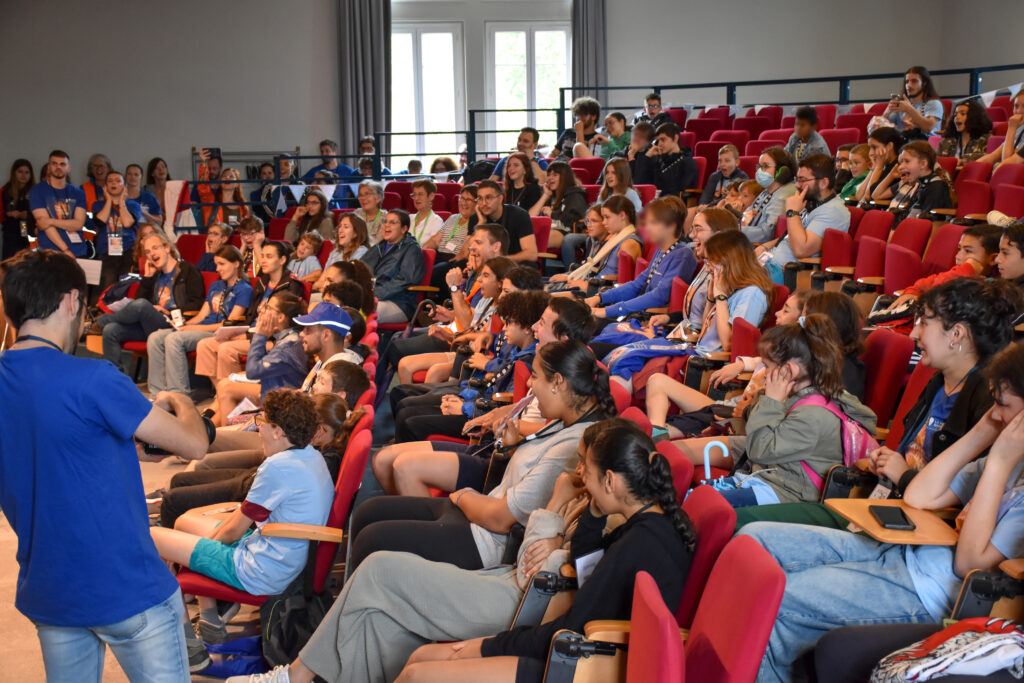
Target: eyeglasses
<point>260,420</point>
<point>806,180</point>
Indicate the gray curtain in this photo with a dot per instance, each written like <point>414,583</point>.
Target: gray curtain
<point>589,49</point>
<point>364,57</point>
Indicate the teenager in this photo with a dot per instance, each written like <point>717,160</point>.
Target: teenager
<point>313,215</point>
<point>884,145</point>
<point>521,186</point>
<point>967,133</point>
<point>610,231</point>
<point>14,197</point>
<point>776,170</point>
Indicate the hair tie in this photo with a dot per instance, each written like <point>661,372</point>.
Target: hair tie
<point>650,457</point>
<point>801,320</point>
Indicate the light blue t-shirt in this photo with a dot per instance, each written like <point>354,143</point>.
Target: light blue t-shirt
<point>748,303</point>
<point>931,108</point>
<point>305,267</point>
<point>832,214</point>
<point>931,566</point>
<point>296,488</point>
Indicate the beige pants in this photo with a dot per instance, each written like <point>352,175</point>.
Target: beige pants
<point>217,360</point>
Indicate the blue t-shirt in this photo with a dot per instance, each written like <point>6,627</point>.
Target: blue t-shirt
<point>165,281</point>
<point>748,303</point>
<point>104,229</point>
<point>295,487</point>
<point>931,566</point>
<point>71,487</point>
<point>59,204</point>
<point>305,267</point>
<point>930,108</point>
<point>148,201</point>
<point>206,263</point>
<point>221,302</point>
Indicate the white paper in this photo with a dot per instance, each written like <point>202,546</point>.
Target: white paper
<point>585,566</point>
<point>92,270</point>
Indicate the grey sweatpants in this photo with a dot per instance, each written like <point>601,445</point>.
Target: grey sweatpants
<point>396,602</point>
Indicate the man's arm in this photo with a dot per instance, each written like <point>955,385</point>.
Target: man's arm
<point>527,249</point>
<point>182,433</point>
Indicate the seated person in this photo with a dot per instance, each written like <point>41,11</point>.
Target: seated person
<point>641,165</point>
<point>612,143</point>
<point>469,529</point>
<point>813,209</point>
<point>967,133</point>
<point>522,244</point>
<point>217,235</point>
<point>252,236</point>
<point>526,144</point>
<point>328,334</point>
<point>397,264</point>
<point>618,179</point>
<point>806,140</point>
<point>612,230</point>
<point>304,265</point>
<point>859,168</point>
<point>1012,149</point>
<point>174,285</point>
<point>921,187</point>
<point>313,215</point>
<point>883,151</point>
<point>425,223</point>
<point>1010,259</point>
<point>585,113</point>
<point>275,360</point>
<point>834,570</point>
<point>775,173</point>
<point>918,111</point>
<point>652,114</point>
<point>741,202</point>
<point>227,299</point>
<point>521,186</point>
<point>329,153</point>
<point>370,197</point>
<point>674,169</point>
<point>672,259</point>
<point>728,171</point>
<point>351,241</point>
<point>563,200</point>
<point>451,243</point>
<point>292,485</point>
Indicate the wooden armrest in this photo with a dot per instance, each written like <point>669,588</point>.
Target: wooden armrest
<point>610,278</point>
<point>189,314</point>
<point>719,356</point>
<point>308,532</point>
<point>874,281</point>
<point>1018,328</point>
<point>930,529</point>
<point>1013,568</point>
<point>568,571</point>
<point>881,434</point>
<point>502,397</point>
<point>840,270</point>
<point>980,217</point>
<point>658,311</point>
<point>881,202</point>
<point>811,260</point>
<point>694,191</point>
<point>423,288</point>
<point>744,376</point>
<point>546,254</point>
<point>605,627</point>
<point>948,212</point>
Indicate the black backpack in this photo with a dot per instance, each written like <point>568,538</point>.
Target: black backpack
<point>478,170</point>
<point>288,620</point>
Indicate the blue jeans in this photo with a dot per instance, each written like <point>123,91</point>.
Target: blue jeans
<point>134,322</point>
<point>168,358</point>
<point>833,578</point>
<point>149,646</point>
<point>570,243</point>
<point>775,272</point>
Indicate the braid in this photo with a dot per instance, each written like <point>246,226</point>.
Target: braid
<point>658,483</point>
<point>603,392</point>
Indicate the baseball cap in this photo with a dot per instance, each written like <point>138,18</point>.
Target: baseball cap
<point>329,315</point>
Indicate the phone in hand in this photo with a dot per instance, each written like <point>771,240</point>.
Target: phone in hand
<point>891,518</point>
<point>214,152</point>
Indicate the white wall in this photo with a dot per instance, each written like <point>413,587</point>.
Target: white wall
<point>253,75</point>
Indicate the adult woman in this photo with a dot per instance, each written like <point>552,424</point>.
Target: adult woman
<point>521,186</point>
<point>353,271</point>
<point>883,149</point>
<point>150,206</point>
<point>371,196</point>
<point>906,583</point>
<point>967,133</point>
<point>17,214</point>
<point>563,200</point>
<point>443,165</point>
<point>921,188</point>
<point>97,169</point>
<point>218,357</point>
<point>617,219</point>
<point>455,230</point>
<point>470,529</point>
<point>228,299</point>
<point>1012,149</point>
<point>157,176</point>
<point>226,199</point>
<point>312,215</point>
<point>776,171</point>
<point>618,179</point>
<point>351,240</point>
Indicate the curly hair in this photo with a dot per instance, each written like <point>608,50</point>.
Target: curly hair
<point>582,373</point>
<point>814,346</point>
<point>987,308</point>
<point>524,308</point>
<point>977,124</point>
<point>294,412</point>
<point>620,446</point>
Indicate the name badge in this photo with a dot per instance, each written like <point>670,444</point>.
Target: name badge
<point>115,245</point>
<point>450,247</point>
<point>176,318</point>
<point>74,237</point>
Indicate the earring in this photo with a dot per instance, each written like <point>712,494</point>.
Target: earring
<point>960,348</point>
<point>552,390</point>
<point>950,346</point>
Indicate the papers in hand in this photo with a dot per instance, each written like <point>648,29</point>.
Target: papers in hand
<point>240,414</point>
<point>227,332</point>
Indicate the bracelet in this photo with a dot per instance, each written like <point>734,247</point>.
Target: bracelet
<point>459,497</point>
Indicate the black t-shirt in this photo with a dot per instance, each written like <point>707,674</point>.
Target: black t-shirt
<point>564,145</point>
<point>526,196</point>
<point>516,222</point>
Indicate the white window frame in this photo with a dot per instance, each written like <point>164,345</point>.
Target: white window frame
<point>530,28</point>
<point>417,29</point>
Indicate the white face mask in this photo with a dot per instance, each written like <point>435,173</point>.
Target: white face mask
<point>763,178</point>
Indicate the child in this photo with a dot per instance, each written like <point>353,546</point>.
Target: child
<point>1010,259</point>
<point>860,167</point>
<point>728,172</point>
<point>305,266</point>
<point>217,235</point>
<point>749,191</point>
<point>806,140</point>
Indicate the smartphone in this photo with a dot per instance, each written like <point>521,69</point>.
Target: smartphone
<point>891,518</point>
<point>214,152</point>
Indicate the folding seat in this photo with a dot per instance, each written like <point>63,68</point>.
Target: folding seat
<point>1007,174</point>
<point>788,122</point>
<point>739,138</point>
<point>948,165</point>
<point>886,359</point>
<point>773,113</point>
<point>974,170</point>
<point>826,116</point>
<point>191,247</point>
<point>276,228</point>
<point>836,137</point>
<point>592,167</point>
<point>748,164</point>
<point>1003,102</point>
<point>403,188</point>
<point>723,114</point>
<point>709,152</point>
<point>754,148</point>
<point>878,109</point>
<point>593,191</point>
<point>449,190</point>
<point>780,135</point>
<point>755,125</point>
<point>687,139</point>
<point>999,128</point>
<point>994,143</point>
<point>703,128</point>
<point>940,255</point>
<point>858,121</point>
<point>392,201</point>
<point>647,193</point>
<point>997,114</point>
<point>678,116</point>
<point>857,108</point>
<point>1010,200</point>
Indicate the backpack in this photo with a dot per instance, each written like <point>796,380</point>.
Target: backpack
<point>288,620</point>
<point>857,441</point>
<point>478,170</point>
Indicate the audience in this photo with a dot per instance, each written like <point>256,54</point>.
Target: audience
<point>585,113</point>
<point>425,223</point>
<point>673,169</point>
<point>806,140</point>
<point>116,219</point>
<point>525,144</point>
<point>454,231</point>
<point>618,179</point>
<point>522,245</point>
<point>776,172</point>
<point>728,172</point>
<point>217,235</point>
<point>563,200</point>
<point>917,112</point>
<point>223,201</point>
<point>612,143</point>
<point>521,186</point>
<point>312,215</point>
<point>397,264</point>
<point>884,147</point>
<point>967,133</point>
<point>859,168</point>
<point>351,240</point>
<point>921,187</point>
<point>304,264</point>
<point>157,176</point>
<point>610,229</point>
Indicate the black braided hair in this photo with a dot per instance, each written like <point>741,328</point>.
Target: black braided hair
<point>578,366</point>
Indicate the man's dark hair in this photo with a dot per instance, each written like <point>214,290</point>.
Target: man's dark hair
<point>346,292</point>
<point>645,128</point>
<point>368,138</point>
<point>497,234</point>
<point>848,147</point>
<point>575,321</point>
<point>327,142</point>
<point>489,184</point>
<point>653,96</point>
<point>525,278</point>
<point>294,412</point>
<point>32,283</point>
<point>808,114</point>
<point>522,308</point>
<point>928,91</point>
<point>533,132</point>
<point>347,380</point>
<point>822,166</point>
<point>988,235</point>
<point>586,105</point>
<point>59,153</point>
<point>250,223</point>
<point>670,129</point>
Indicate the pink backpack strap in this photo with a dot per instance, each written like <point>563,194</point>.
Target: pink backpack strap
<point>818,400</point>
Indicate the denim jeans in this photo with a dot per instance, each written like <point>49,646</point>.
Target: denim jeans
<point>168,358</point>
<point>833,578</point>
<point>134,322</point>
<point>570,243</point>
<point>149,646</point>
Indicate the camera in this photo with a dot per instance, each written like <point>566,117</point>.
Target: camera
<point>464,350</point>
<point>211,434</point>
<point>477,383</point>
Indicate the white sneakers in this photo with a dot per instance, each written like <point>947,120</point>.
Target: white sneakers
<point>279,674</point>
<point>1000,219</point>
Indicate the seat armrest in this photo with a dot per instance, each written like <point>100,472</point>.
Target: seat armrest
<point>881,434</point>
<point>423,288</point>
<point>308,532</point>
<point>810,261</point>
<point>949,212</point>
<point>1013,568</point>
<point>612,630</point>
<point>548,255</point>
<point>719,356</point>
<point>840,270</point>
<point>881,202</point>
<point>974,217</point>
<point>873,281</point>
<point>502,397</point>
<point>658,310</point>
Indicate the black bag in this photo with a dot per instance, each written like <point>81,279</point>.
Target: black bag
<point>120,289</point>
<point>288,620</point>
<point>478,170</point>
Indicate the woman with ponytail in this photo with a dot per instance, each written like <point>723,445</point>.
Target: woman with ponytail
<point>470,529</point>
<point>792,439</point>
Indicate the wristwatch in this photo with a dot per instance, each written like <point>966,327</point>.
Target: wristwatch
<point>721,297</point>
<point>454,288</point>
<point>790,213</point>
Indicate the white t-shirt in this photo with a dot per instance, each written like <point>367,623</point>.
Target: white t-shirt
<point>424,229</point>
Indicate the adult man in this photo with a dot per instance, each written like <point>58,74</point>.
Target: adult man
<point>367,147</point>
<point>527,144</point>
<point>59,209</point>
<point>116,219</point>
<point>276,197</point>
<point>329,151</point>
<point>397,264</point>
<point>652,112</point>
<point>674,168</point>
<point>585,113</point>
<point>323,335</point>
<point>806,140</point>
<point>522,245</point>
<point>814,208</point>
<point>173,285</point>
<point>72,490</point>
<point>919,109</point>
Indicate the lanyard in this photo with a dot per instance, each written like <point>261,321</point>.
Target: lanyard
<point>657,262</point>
<point>41,340</point>
<point>547,430</point>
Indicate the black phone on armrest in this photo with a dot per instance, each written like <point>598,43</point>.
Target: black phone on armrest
<point>891,518</point>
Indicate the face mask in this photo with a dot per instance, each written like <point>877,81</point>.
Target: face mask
<point>763,178</point>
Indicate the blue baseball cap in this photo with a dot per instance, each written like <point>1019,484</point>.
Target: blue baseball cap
<point>329,315</point>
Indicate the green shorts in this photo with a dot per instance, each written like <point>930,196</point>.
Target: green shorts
<point>217,560</point>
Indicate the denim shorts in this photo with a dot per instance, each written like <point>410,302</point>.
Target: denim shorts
<point>217,560</point>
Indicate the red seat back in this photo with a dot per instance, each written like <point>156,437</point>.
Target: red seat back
<point>449,189</point>
<point>702,128</point>
<point>999,128</point>
<point>736,614</point>
<point>836,249</point>
<point>875,223</point>
<point>191,247</point>
<point>403,188</point>
<point>772,112</point>
<point>647,193</point>
<point>519,381</point>
<point>1010,200</point>
<point>973,196</point>
<point>678,116</point>
<point>974,170</point>
<point>621,396</point>
<point>541,231</point>
<point>886,358</point>
<point>656,650</point>
<point>778,301</point>
<point>948,165</point>
<point>1007,174</point>
<point>275,230</point>
<point>739,138</point>
<point>588,169</point>
<point>919,379</point>
<point>687,139</point>
<point>858,121</point>
<point>325,252</point>
<point>392,201</point>
<point>755,148</point>
<point>755,125</point>
<point>913,233</point>
<point>593,192</point>
<point>778,134</point>
<point>745,338</point>
<point>715,520</point>
<point>941,252</point>
<point>994,143</point>
<point>353,465</point>
<point>902,268</point>
<point>627,267</point>
<point>826,115</point>
<point>856,214</point>
<point>634,414</point>
<point>723,113</point>
<point>870,261</point>
<point>209,279</point>
<point>709,152</point>
<point>877,109</point>
<point>748,164</point>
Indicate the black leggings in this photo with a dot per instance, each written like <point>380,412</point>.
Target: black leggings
<point>420,416</point>
<point>432,528</point>
<point>204,487</point>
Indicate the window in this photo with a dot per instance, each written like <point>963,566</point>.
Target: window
<point>528,63</point>
<point>426,91</point>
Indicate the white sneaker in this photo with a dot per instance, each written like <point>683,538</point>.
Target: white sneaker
<point>279,674</point>
<point>999,218</point>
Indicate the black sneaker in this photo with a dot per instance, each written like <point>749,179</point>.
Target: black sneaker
<point>198,657</point>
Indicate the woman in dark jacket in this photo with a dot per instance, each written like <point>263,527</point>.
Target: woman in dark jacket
<point>397,264</point>
<point>564,200</point>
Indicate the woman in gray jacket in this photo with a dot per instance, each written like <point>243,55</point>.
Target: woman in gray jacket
<point>397,264</point>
